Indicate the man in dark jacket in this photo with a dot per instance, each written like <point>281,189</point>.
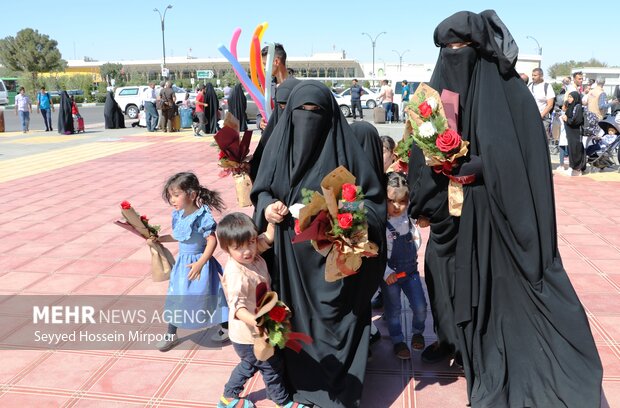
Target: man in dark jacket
<point>356,99</point>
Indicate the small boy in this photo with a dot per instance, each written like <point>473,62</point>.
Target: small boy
<point>244,271</point>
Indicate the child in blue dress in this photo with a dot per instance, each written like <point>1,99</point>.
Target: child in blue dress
<point>401,272</point>
<point>195,298</point>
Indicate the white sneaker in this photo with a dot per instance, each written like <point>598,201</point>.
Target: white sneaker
<point>575,173</point>
<point>221,335</point>
<point>168,343</point>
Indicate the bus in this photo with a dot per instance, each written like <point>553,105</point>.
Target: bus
<point>12,88</point>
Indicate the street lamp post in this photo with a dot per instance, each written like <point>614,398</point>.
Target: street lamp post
<point>400,58</point>
<point>374,43</point>
<point>163,39</point>
<point>529,37</point>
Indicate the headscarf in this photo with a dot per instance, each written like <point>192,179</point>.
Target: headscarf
<point>570,108</point>
<point>237,105</point>
<point>281,96</point>
<point>65,119</point>
<point>212,109</point>
<point>369,139</point>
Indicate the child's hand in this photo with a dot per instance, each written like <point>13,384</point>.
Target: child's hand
<point>194,272</point>
<point>423,222</point>
<point>391,279</point>
<point>275,212</point>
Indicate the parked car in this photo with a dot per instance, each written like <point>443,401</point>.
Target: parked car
<point>369,100</point>
<point>4,94</point>
<point>251,110</point>
<point>129,98</point>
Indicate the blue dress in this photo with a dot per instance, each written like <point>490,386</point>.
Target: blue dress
<point>199,303</point>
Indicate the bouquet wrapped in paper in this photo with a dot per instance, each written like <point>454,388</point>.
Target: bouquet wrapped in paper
<point>335,223</point>
<point>434,132</point>
<point>161,258</point>
<point>234,157</point>
<point>273,321</point>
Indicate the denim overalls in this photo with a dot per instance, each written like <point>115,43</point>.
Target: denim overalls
<point>403,259</point>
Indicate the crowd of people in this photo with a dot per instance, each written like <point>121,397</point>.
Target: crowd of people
<point>502,304</point>
<point>577,119</point>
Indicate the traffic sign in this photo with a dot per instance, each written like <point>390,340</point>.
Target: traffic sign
<point>204,74</point>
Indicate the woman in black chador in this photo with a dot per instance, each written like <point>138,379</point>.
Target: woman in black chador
<point>65,119</point>
<point>237,105</point>
<point>112,113</point>
<point>523,333</point>
<point>311,139</point>
<point>212,109</point>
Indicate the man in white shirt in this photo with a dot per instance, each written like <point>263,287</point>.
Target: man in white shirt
<point>149,98</point>
<point>544,95</point>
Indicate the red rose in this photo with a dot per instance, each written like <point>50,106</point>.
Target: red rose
<point>144,218</point>
<point>349,191</point>
<point>277,314</point>
<point>125,205</point>
<point>345,220</point>
<point>425,109</point>
<point>297,227</point>
<point>448,141</point>
<point>221,155</point>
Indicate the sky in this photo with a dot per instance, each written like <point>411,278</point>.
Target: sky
<point>130,30</point>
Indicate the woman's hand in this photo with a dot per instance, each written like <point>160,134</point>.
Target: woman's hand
<point>275,212</point>
<point>564,118</point>
<point>194,271</point>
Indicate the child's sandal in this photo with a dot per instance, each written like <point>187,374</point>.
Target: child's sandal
<point>235,403</point>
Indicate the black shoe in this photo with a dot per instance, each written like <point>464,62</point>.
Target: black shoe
<point>436,352</point>
<point>375,337</point>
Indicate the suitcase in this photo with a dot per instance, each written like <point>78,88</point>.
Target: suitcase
<point>2,119</point>
<point>78,124</point>
<point>176,123</point>
<point>186,118</point>
<point>378,114</point>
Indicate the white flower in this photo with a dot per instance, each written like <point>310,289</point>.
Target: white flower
<point>432,103</point>
<point>427,129</point>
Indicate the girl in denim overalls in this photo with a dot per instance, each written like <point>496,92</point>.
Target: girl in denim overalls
<point>401,272</point>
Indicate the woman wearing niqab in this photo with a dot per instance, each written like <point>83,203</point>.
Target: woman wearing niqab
<point>112,113</point>
<point>523,334</point>
<point>237,105</point>
<point>311,139</point>
<point>65,118</point>
<point>283,91</point>
<point>212,108</point>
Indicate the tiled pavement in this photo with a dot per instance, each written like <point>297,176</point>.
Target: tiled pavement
<point>57,237</point>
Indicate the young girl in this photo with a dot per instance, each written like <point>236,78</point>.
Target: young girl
<point>388,152</point>
<point>401,272</point>
<point>195,298</point>
<point>573,119</point>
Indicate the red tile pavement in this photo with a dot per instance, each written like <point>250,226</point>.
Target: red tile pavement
<point>66,243</point>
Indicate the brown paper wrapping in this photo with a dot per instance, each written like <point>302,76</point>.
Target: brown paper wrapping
<point>243,186</point>
<point>455,198</point>
<point>263,350</point>
<point>162,259</point>
<point>427,92</point>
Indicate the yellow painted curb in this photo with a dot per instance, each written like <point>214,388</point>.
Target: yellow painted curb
<point>43,139</point>
<point>17,168</point>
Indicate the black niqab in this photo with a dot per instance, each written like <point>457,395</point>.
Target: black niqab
<point>368,137</point>
<point>212,109</point>
<point>237,105</point>
<point>524,335</point>
<point>112,113</point>
<point>330,372</point>
<point>281,97</point>
<point>65,119</point>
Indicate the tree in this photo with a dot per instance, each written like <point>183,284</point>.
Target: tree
<point>111,71</point>
<point>564,68</point>
<point>31,53</point>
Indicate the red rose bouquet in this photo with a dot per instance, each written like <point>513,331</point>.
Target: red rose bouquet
<point>274,326</point>
<point>233,157</point>
<point>335,223</point>
<point>442,147</point>
<point>161,258</point>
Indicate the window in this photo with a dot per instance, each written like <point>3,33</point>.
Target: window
<point>128,92</point>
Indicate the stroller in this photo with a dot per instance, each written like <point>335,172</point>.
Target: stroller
<point>602,152</point>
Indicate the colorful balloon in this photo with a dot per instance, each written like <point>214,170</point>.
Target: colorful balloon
<point>271,50</point>
<point>234,40</point>
<point>255,94</point>
<point>259,64</point>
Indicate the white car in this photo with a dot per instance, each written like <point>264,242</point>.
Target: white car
<point>368,99</point>
<point>129,98</point>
